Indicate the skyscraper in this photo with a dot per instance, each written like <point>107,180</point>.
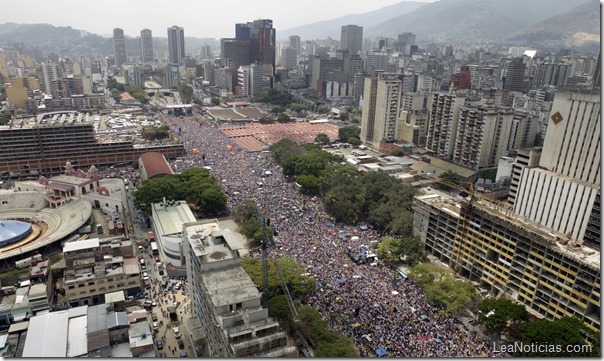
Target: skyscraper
<point>147,53</point>
<point>351,38</point>
<point>176,45</point>
<point>263,42</point>
<point>119,47</point>
<point>50,72</point>
<point>294,42</point>
<point>381,101</point>
<point>563,192</point>
<point>514,78</point>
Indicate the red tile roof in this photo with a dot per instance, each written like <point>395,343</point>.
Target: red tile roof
<point>155,163</point>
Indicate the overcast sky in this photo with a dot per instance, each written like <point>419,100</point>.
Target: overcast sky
<point>200,18</point>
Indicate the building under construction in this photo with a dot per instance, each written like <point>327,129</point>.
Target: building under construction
<point>552,275</point>
<point>225,299</point>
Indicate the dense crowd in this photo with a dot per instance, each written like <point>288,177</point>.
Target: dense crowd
<point>361,301</point>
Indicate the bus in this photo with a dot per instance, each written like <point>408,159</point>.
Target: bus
<point>154,248</point>
<point>26,262</point>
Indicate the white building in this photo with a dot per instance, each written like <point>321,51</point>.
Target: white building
<point>381,103</point>
<point>563,192</point>
<point>168,218</point>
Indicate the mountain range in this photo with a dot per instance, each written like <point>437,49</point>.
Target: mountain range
<point>534,23</point>
<point>331,28</point>
<point>489,20</point>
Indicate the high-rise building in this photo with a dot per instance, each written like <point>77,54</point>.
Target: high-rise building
<point>235,52</point>
<point>525,127</point>
<point>563,193</point>
<point>176,45</point>
<point>405,42</point>
<point>552,74</point>
<point>482,136</point>
<point>597,80</point>
<point>442,127</point>
<point>120,49</point>
<point>243,31</point>
<point>351,38</point>
<point>147,52</point>
<point>380,108</point>
<point>250,80</point>
<point>50,72</point>
<point>263,45</point>
<point>289,58</point>
<point>514,78</point>
<point>294,42</point>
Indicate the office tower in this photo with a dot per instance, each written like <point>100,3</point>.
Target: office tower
<point>250,80</point>
<point>406,43</point>
<point>320,66</point>
<point>380,108</point>
<point>147,53</point>
<point>294,42</point>
<point>514,79</point>
<point>442,127</point>
<point>50,72</point>
<point>120,50</point>
<point>206,52</point>
<point>351,38</point>
<point>563,192</point>
<point>243,31</point>
<point>235,52</point>
<point>482,136</point>
<point>289,58</point>
<point>552,74</point>
<point>176,45</point>
<point>263,42</point>
<point>376,60</point>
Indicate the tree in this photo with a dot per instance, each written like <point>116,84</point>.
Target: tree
<point>408,249</point>
<point>558,334</point>
<point>309,184</point>
<point>427,273</point>
<point>453,294</point>
<point>5,117</point>
<point>448,176</point>
<point>284,149</point>
<point>349,131</point>
<point>299,285</point>
<point>277,110</point>
<point>283,118</point>
<point>322,138</point>
<point>354,141</point>
<point>215,101</point>
<point>186,93</point>
<point>496,313</point>
<point>344,116</point>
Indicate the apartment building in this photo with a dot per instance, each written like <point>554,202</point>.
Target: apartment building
<point>94,267</point>
<point>381,104</point>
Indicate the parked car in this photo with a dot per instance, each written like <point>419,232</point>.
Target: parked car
<point>183,354</point>
<point>176,332</point>
<point>155,326</point>
<point>159,344</point>
<point>154,316</point>
<point>181,345</point>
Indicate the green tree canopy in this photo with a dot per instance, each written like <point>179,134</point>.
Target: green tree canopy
<point>349,131</point>
<point>564,332</point>
<point>322,138</point>
<point>5,117</point>
<point>496,313</point>
<point>354,141</point>
<point>298,284</point>
<point>215,101</point>
<point>186,93</point>
<point>309,184</point>
<point>409,249</point>
<point>283,118</point>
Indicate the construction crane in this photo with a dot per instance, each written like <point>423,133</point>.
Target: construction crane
<point>292,307</point>
<point>465,212</point>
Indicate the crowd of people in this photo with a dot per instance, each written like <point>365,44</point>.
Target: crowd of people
<point>369,303</point>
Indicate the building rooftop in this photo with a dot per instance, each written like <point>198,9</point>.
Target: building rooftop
<point>81,245</point>
<point>77,338</point>
<point>171,218</point>
<point>47,335</point>
<point>228,286</point>
<point>155,164</point>
<point>139,335</point>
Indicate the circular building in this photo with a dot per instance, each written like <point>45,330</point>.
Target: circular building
<point>13,231</point>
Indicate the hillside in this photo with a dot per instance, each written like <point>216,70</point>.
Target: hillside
<point>331,28</point>
<point>576,28</point>
<point>472,20</point>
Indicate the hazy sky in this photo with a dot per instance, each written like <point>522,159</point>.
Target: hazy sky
<point>200,18</point>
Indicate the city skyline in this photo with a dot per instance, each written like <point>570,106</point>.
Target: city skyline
<point>148,17</point>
